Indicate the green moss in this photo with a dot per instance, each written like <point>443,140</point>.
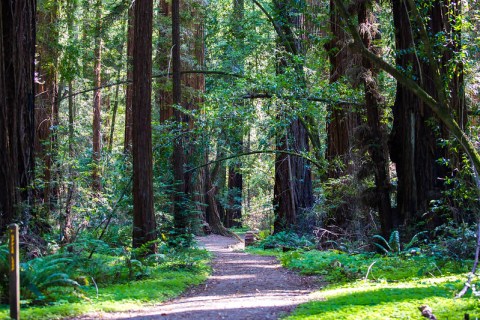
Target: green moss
<point>401,300</point>
<point>395,288</point>
<point>162,285</point>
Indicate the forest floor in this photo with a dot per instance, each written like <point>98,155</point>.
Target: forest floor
<point>242,286</point>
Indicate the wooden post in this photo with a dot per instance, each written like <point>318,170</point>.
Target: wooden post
<point>14,272</point>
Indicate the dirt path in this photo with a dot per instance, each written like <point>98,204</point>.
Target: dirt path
<point>242,286</point>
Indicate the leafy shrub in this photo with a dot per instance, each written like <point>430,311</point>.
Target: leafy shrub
<point>286,239</point>
<point>456,241</point>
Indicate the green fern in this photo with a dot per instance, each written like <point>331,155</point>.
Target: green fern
<point>385,247</point>
<point>394,241</point>
<point>41,275</point>
<point>414,240</point>
<point>393,245</point>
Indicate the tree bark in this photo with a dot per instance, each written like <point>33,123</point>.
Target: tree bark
<point>343,118</point>
<point>17,50</point>
<point>127,146</point>
<point>180,212</point>
<point>413,142</point>
<point>377,146</point>
<point>144,227</point>
<point>293,181</point>
<point>97,104</point>
<point>46,105</point>
<point>233,214</point>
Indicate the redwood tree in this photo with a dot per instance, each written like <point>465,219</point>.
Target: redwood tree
<point>97,120</point>
<point>293,181</point>
<point>144,228</point>
<point>17,49</point>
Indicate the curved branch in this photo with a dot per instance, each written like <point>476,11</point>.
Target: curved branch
<point>292,153</point>
<point>160,75</point>
<point>309,98</point>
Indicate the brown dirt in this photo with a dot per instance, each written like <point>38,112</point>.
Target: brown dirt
<point>242,286</point>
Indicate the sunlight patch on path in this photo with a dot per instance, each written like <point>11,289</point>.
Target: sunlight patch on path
<point>242,286</point>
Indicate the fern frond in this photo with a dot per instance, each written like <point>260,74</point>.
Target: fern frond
<point>386,245</point>
<point>414,240</point>
<point>381,248</point>
<point>394,241</point>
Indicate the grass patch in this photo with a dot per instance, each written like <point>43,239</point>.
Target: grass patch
<point>396,285</point>
<point>165,281</point>
<point>400,300</point>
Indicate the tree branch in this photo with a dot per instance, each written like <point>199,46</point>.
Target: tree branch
<point>310,98</point>
<point>278,30</point>
<point>160,75</point>
<point>292,153</point>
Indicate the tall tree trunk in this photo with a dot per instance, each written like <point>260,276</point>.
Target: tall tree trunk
<point>46,105</point>
<point>180,214</point>
<point>17,50</point>
<point>144,227</point>
<point>377,146</point>
<point>343,118</point>
<point>97,103</point>
<point>235,178</point>
<point>129,90</point>
<point>163,95</point>
<point>114,112</point>
<point>413,142</point>
<point>293,192</point>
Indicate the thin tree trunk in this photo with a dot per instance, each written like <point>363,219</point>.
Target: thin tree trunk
<point>97,119</point>
<point>144,227</point>
<point>129,93</point>
<point>114,114</point>
<point>180,214</point>
<point>235,178</point>
<point>46,111</point>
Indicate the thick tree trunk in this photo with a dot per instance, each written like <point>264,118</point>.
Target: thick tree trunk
<point>413,142</point>
<point>97,104</point>
<point>343,118</point>
<point>17,49</point>
<point>144,227</point>
<point>293,180</point>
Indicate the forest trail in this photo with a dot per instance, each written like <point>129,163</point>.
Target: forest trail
<point>242,286</point>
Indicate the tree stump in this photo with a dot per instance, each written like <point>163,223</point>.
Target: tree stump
<point>249,238</point>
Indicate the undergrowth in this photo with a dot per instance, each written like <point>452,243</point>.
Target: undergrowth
<point>67,284</point>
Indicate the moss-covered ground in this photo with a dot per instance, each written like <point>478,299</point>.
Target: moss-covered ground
<point>164,282</point>
<point>394,289</point>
